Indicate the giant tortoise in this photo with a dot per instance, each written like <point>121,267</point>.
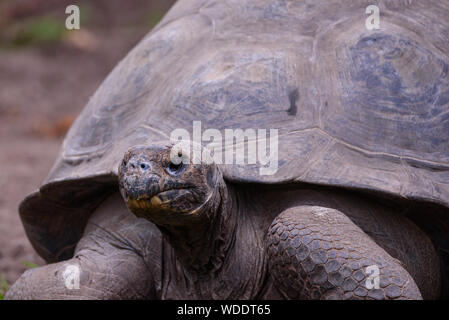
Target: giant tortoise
<point>357,206</point>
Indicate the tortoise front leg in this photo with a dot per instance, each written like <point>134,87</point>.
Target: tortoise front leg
<point>101,269</point>
<point>319,253</point>
<point>109,261</point>
<point>90,275</point>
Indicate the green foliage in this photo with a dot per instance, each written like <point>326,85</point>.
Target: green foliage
<point>30,265</point>
<point>4,287</point>
<point>41,30</point>
<point>154,17</point>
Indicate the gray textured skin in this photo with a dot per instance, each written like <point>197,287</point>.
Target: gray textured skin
<point>123,257</point>
<point>363,176</point>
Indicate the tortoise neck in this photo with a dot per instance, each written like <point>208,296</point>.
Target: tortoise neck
<point>202,246</point>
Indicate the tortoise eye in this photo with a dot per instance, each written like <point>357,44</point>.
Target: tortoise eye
<point>144,166</point>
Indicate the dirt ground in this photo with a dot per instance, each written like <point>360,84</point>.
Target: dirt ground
<point>45,80</point>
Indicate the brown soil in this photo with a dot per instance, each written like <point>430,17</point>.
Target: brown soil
<point>43,88</point>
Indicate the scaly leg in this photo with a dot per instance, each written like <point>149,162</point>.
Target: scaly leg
<point>319,253</point>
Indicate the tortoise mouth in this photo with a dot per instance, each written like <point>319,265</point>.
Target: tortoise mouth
<point>162,194</point>
<point>166,199</point>
<point>146,186</point>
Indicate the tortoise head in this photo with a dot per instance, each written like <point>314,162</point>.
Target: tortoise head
<point>166,186</point>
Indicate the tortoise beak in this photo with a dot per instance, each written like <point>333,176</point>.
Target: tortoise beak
<point>140,187</point>
<point>140,192</point>
<point>138,179</point>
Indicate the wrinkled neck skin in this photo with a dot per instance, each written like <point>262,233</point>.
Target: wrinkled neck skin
<point>203,244</point>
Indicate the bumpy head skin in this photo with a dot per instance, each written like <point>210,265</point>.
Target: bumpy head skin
<point>167,194</point>
<point>188,201</point>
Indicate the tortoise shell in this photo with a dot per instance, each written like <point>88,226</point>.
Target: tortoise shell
<point>354,108</point>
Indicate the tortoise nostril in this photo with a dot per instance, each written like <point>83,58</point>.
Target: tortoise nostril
<point>132,164</point>
<point>138,165</point>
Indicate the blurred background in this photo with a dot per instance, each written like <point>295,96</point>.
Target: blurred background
<point>47,74</point>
